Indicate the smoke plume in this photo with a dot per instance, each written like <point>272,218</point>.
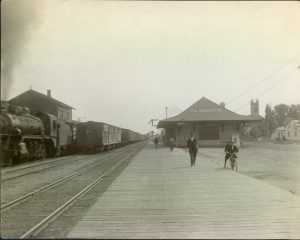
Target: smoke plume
<point>18,19</point>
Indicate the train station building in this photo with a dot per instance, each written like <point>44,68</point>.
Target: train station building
<point>211,123</point>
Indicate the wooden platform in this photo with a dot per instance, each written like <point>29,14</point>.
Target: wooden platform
<point>160,196</point>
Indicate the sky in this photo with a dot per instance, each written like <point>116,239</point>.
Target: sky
<point>124,62</point>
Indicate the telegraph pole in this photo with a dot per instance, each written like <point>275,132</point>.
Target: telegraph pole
<point>151,121</point>
<point>166,112</point>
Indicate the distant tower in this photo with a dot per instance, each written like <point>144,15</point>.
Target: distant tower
<point>255,108</point>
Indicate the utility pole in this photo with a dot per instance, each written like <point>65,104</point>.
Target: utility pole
<point>166,112</point>
<point>151,121</point>
<point>80,118</point>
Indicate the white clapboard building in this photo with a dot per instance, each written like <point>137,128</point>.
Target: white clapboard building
<point>290,130</point>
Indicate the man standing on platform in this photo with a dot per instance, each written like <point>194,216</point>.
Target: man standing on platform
<point>156,142</point>
<point>193,148</point>
<point>171,142</point>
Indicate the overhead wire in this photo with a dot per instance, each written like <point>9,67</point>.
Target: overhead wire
<point>273,85</point>
<point>263,80</point>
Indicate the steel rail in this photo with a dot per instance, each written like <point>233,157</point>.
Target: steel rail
<point>31,194</point>
<point>44,169</point>
<point>42,224</point>
<point>37,171</point>
<point>38,164</point>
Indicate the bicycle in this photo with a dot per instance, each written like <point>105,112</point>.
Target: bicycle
<point>233,162</point>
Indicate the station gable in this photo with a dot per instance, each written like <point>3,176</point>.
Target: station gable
<point>207,110</point>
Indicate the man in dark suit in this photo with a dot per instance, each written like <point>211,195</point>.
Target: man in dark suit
<point>230,149</point>
<point>193,148</point>
<point>156,142</point>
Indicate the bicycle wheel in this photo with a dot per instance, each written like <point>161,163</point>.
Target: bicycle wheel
<point>232,163</point>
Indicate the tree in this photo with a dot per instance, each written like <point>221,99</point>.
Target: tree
<point>281,112</point>
<point>256,130</point>
<point>294,111</point>
<point>269,123</point>
<point>273,119</point>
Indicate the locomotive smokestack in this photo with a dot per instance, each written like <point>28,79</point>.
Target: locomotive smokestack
<point>49,93</point>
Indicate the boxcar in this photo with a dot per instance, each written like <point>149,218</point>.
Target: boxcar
<point>129,136</point>
<point>97,136</point>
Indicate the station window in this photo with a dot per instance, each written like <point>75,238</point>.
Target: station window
<point>179,129</point>
<point>209,131</point>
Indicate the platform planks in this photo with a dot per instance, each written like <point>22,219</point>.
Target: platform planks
<point>159,195</point>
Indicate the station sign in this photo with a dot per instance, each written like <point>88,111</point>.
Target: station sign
<point>206,110</point>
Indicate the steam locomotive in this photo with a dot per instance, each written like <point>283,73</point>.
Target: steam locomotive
<point>27,135</point>
<point>37,135</point>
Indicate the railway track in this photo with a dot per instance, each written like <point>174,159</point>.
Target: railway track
<point>99,160</point>
<point>25,217</point>
<point>21,172</point>
<point>9,169</point>
<point>18,187</point>
<point>40,167</point>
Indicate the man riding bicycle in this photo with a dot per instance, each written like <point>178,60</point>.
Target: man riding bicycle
<point>230,150</point>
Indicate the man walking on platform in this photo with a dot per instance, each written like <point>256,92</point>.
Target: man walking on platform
<point>193,148</point>
<point>156,142</point>
<point>171,142</point>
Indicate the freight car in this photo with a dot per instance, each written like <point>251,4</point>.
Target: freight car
<point>95,137</point>
<point>129,136</point>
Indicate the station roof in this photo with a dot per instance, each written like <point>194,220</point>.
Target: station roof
<point>206,110</point>
<point>33,93</point>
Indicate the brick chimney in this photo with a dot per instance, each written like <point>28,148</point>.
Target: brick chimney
<point>49,93</point>
<point>222,104</point>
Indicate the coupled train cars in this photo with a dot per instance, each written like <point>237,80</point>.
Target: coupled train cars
<point>97,136</point>
<point>37,135</point>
